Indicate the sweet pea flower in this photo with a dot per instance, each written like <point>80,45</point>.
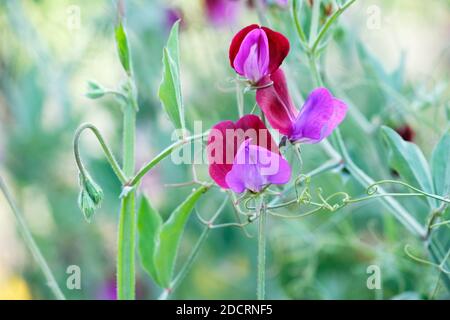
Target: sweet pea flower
<point>320,114</point>
<point>243,156</point>
<point>256,52</point>
<point>221,12</point>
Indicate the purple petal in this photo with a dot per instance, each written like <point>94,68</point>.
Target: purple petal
<point>252,59</point>
<point>320,115</point>
<point>254,167</point>
<point>221,12</point>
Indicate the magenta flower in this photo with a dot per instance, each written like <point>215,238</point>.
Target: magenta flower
<point>256,52</point>
<point>243,156</point>
<point>221,12</point>
<point>320,114</point>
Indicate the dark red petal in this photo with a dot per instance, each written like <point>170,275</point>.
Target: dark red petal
<point>276,103</point>
<point>219,165</point>
<point>278,48</point>
<point>264,138</point>
<point>219,169</point>
<point>237,40</point>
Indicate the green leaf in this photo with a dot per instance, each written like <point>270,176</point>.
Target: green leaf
<point>170,236</point>
<point>123,47</point>
<point>149,225</point>
<point>408,160</point>
<point>440,165</point>
<point>170,88</point>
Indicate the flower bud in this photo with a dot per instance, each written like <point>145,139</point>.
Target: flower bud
<point>94,90</point>
<point>91,196</point>
<point>86,205</point>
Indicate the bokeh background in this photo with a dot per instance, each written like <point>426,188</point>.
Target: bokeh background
<point>394,70</point>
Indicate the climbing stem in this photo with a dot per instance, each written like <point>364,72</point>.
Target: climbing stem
<point>127,220</point>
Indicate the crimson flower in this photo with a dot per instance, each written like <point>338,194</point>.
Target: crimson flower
<point>256,52</point>
<point>320,114</point>
<point>243,156</point>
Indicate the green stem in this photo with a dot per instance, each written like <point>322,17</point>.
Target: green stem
<point>298,25</point>
<point>107,151</point>
<point>32,246</point>
<point>162,155</point>
<point>314,21</point>
<point>315,72</point>
<point>127,221</point>
<point>328,24</point>
<point>260,286</point>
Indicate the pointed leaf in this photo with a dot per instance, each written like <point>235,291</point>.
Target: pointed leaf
<point>408,160</point>
<point>440,165</point>
<point>149,226</point>
<point>123,47</point>
<point>170,88</point>
<point>170,236</point>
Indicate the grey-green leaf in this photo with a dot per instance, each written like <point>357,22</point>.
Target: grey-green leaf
<point>123,48</point>
<point>440,165</point>
<point>149,225</point>
<point>408,160</point>
<point>94,90</point>
<point>170,236</point>
<point>170,88</point>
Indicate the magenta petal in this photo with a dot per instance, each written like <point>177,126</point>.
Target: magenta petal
<point>226,137</point>
<point>276,103</point>
<point>254,167</point>
<point>252,59</point>
<point>320,115</point>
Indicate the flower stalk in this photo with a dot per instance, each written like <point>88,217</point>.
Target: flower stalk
<point>261,281</point>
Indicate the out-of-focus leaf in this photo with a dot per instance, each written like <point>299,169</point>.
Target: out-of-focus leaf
<point>375,69</point>
<point>440,165</point>
<point>170,236</point>
<point>123,47</point>
<point>149,225</point>
<point>170,88</point>
<point>408,160</point>
<point>94,90</point>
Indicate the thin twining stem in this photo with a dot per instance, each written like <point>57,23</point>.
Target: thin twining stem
<point>327,166</point>
<point>162,155</point>
<point>439,224</point>
<point>194,253</point>
<point>424,261</point>
<point>107,151</point>
<point>373,188</point>
<point>32,246</point>
<point>305,214</point>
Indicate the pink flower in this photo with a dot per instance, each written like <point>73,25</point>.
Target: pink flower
<point>243,156</point>
<point>256,52</point>
<point>320,114</point>
<point>221,12</point>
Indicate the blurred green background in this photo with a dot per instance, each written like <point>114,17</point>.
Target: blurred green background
<point>393,71</point>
